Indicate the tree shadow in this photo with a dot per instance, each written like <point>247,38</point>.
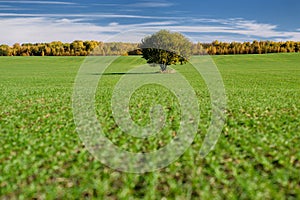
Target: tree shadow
<point>124,73</point>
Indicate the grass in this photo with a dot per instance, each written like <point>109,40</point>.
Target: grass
<point>256,157</point>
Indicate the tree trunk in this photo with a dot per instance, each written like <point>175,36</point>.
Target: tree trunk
<point>163,67</point>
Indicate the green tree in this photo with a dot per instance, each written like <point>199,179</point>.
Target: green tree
<point>166,48</point>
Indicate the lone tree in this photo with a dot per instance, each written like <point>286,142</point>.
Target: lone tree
<point>166,48</point>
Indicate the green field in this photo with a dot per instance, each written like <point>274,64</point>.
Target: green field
<point>256,157</point>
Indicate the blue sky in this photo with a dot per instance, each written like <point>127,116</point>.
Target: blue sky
<point>123,20</point>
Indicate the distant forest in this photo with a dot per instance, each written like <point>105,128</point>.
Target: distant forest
<point>84,48</point>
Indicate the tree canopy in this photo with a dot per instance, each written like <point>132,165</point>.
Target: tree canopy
<point>166,48</point>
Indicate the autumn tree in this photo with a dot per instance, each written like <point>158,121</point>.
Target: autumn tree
<point>84,48</point>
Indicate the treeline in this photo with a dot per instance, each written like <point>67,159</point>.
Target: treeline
<point>256,47</point>
<point>84,48</point>
<point>76,48</point>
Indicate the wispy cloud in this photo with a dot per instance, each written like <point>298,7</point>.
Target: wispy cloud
<point>224,29</point>
<point>48,28</point>
<point>89,16</point>
<point>45,30</point>
<point>9,8</point>
<point>144,4</point>
<point>13,9</point>
<point>136,6</point>
<point>106,4</point>
<point>151,4</point>
<point>113,24</point>
<point>40,2</point>
<point>141,4</point>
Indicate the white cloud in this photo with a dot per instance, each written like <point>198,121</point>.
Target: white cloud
<point>113,24</point>
<point>106,4</point>
<point>10,8</point>
<point>13,9</point>
<point>143,4</point>
<point>40,2</point>
<point>88,16</point>
<point>46,29</point>
<point>151,4</point>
